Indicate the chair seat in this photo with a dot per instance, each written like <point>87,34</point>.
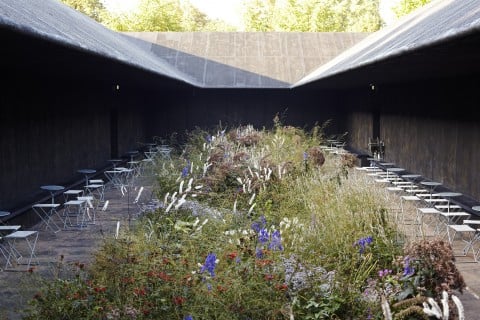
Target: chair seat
<point>9,228</point>
<point>446,206</point>
<point>46,205</point>
<point>410,198</point>
<point>20,234</point>
<point>472,222</point>
<point>73,191</point>
<point>462,228</point>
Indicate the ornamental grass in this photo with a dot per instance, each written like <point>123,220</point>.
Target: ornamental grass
<point>254,224</point>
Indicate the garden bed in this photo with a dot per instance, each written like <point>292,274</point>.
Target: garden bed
<point>259,224</point>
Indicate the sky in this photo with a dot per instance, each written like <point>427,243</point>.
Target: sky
<point>229,10</point>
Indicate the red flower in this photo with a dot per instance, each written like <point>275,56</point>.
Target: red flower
<point>100,289</point>
<point>268,277</point>
<point>264,262</point>
<point>165,277</point>
<point>140,291</point>
<point>232,255</point>
<point>128,280</point>
<point>179,300</point>
<point>282,287</point>
<point>221,288</point>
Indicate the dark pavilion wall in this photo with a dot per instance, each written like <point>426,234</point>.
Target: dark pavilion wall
<point>208,108</point>
<point>51,127</point>
<point>429,127</point>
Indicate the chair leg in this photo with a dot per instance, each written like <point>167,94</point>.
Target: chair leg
<point>30,238</point>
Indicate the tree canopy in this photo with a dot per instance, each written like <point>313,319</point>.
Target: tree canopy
<point>258,15</point>
<point>312,15</point>
<point>404,7</point>
<point>92,8</point>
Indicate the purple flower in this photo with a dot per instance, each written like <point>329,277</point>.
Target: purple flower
<point>305,156</point>
<point>259,253</point>
<point>263,220</point>
<point>276,241</point>
<point>407,269</point>
<point>189,317</point>
<point>363,242</point>
<point>185,172</point>
<point>263,236</point>
<point>208,138</point>
<point>186,169</point>
<point>209,265</point>
<point>383,273</point>
<point>257,226</point>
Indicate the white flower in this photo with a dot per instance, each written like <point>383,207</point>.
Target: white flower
<point>165,200</point>
<point>251,199</point>
<point>196,222</point>
<point>180,188</point>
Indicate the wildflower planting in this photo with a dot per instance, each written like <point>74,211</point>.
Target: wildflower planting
<point>257,224</point>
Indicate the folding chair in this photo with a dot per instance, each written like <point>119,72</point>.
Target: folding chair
<point>100,190</point>
<point>72,193</point>
<point>94,190</point>
<point>14,250</point>
<point>5,230</point>
<point>451,218</point>
<point>413,220</point>
<point>89,207</point>
<point>428,218</point>
<point>47,213</point>
<point>476,225</point>
<point>77,209</point>
<point>469,236</point>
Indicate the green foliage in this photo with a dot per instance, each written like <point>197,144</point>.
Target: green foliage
<point>164,15</point>
<point>404,7</point>
<point>92,8</point>
<point>258,15</point>
<point>252,225</point>
<point>312,15</point>
<point>151,15</point>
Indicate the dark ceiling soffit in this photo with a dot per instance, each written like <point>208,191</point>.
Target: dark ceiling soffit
<point>383,59</point>
<point>192,83</point>
<point>29,32</point>
<point>368,73</point>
